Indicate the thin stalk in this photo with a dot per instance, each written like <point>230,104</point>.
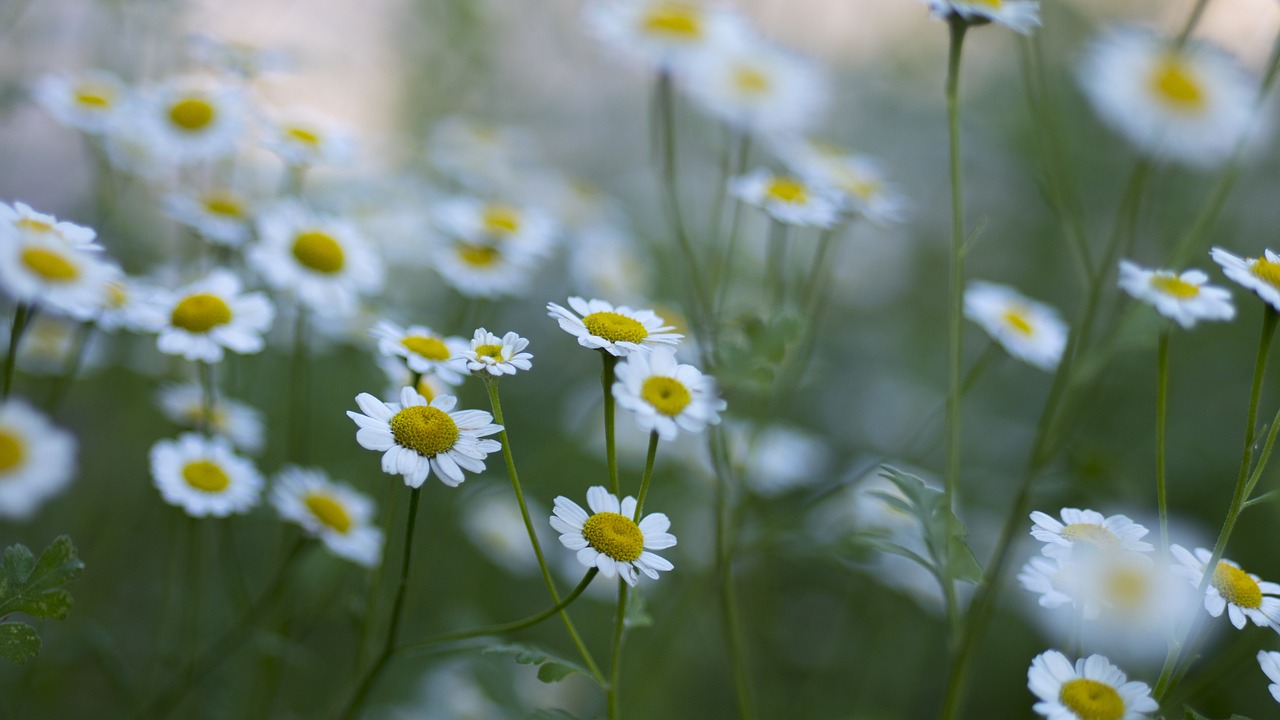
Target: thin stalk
<point>299,382</point>
<point>812,281</point>
<point>615,662</point>
<point>775,271</point>
<point>724,570</point>
<point>22,317</point>
<point>79,345</point>
<point>648,475</point>
<point>1162,406</point>
<point>724,272</point>
<point>208,397</point>
<point>610,450</point>
<point>232,576</point>
<point>1192,20</point>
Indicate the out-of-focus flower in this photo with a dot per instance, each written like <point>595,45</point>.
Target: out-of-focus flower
<point>211,314</point>
<point>777,458</point>
<point>667,396</point>
<point>619,331</point>
<point>662,34</point>
<point>1183,298</point>
<point>204,476</point>
<point>609,539</point>
<point>235,58</point>
<point>221,216</point>
<point>53,264</point>
<point>422,349</point>
<point>337,514</point>
<point>303,138</point>
<point>860,181</point>
<point>240,423</point>
<point>129,303</point>
<point>1028,330</point>
<point>788,199</point>
<point>480,156</point>
<point>520,231</point>
<point>1243,595</point>
<point>399,375</point>
<point>480,270</point>
<point>86,101</point>
<point>188,119</point>
<point>1261,275</point>
<point>494,525</point>
<point>1019,15</point>
<point>37,459</point>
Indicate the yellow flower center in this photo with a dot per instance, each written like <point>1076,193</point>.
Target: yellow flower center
<point>200,313</point>
<point>223,204</point>
<point>31,224</point>
<point>615,327</point>
<point>192,115</point>
<point>1127,587</point>
<point>98,98</point>
<point>751,81</point>
<point>992,4</point>
<point>12,450</point>
<point>478,255</point>
<point>428,347</point>
<point>674,21</point>
<point>501,219</point>
<point>50,265</point>
<point>1177,287</point>
<point>617,536</point>
<point>1092,700</point>
<point>489,351</point>
<point>428,431</point>
<point>425,388</point>
<point>1017,319</point>
<point>206,476</point>
<point>1095,535</point>
<point>329,511</point>
<point>1266,271</point>
<point>667,395</point>
<point>1176,84</point>
<point>318,251</point>
<point>303,135</point>
<point>787,190</point>
<point>117,295</point>
<point>1236,587</point>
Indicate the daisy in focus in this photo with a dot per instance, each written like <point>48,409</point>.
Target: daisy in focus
<point>1183,298</point>
<point>1087,529</point>
<point>1261,275</point>
<point>662,34</point>
<point>787,199</point>
<point>86,101</point>
<point>609,539</point>
<point>37,459</point>
<point>337,514</point>
<point>1092,689</point>
<point>50,263</point>
<point>1270,664</point>
<point>497,356</point>
<point>211,314</point>
<point>1243,595</point>
<point>204,476</point>
<point>421,349</point>
<point>1194,105</point>
<point>1021,16</point>
<point>666,396</point>
<point>416,437</point>
<point>240,423</point>
<point>619,331</point>
<point>1028,330</point>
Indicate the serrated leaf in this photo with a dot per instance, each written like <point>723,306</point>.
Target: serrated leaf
<point>551,668</point>
<point>888,545</point>
<point>18,642</point>
<point>961,562</point>
<point>34,586</point>
<point>944,534</point>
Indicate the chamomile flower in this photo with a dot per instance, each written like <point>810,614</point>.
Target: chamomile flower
<point>1028,330</point>
<point>497,356</point>
<point>399,375</point>
<point>1192,104</point>
<point>53,264</point>
<point>1092,689</point>
<point>619,331</point>
<point>301,138</point>
<point>662,34</point>
<point>21,218</point>
<point>86,101</point>
<point>520,231</point>
<point>37,459</point>
<point>129,304</point>
<point>422,349</point>
<point>666,396</point>
<point>481,270</point>
<point>862,184</point>
<point>204,476</point>
<point>212,314</point>
<point>416,437</point>
<point>1127,587</point>
<point>609,539</point>
<point>337,514</point>
<point>1243,595</point>
<point>323,260</point>
<point>777,459</point>
<point>1270,664</point>
<point>1183,298</point>
<point>1018,15</point>
<point>758,88</point>
<point>240,423</point>
<point>1087,529</point>
<point>787,199</point>
<point>190,119</point>
<point>221,216</point>
<point>1261,275</point>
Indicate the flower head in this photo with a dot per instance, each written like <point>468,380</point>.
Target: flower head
<point>758,88</point>
<point>497,356</point>
<point>1261,275</point>
<point>522,232</point>
<point>302,138</point>
<point>204,476</point>
<point>212,314</point>
<point>1092,689</point>
<point>861,183</point>
<point>483,270</point>
<point>1183,298</point>
<point>1089,531</point>
<point>609,539</point>
<point>221,216</point>
<point>667,396</point>
<point>1028,330</point>
<point>1243,595</point>
<point>619,331</point>
<point>52,263</point>
<point>1270,664</point>
<point>86,101</point>
<point>188,119</point>
<point>337,514</point>
<point>662,34</point>
<point>1018,15</point>
<point>242,424</point>
<point>422,349</point>
<point>789,200</point>
<point>37,459</point>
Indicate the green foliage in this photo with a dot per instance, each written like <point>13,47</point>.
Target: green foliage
<point>551,668</point>
<point>948,555</point>
<point>34,587</point>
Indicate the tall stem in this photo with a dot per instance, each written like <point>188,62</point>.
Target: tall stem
<point>648,475</point>
<point>1162,406</point>
<point>724,569</point>
<point>22,317</point>
<point>615,662</point>
<point>299,382</point>
<point>610,450</point>
<point>779,233</point>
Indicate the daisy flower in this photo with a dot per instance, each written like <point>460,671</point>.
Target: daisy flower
<point>666,396</point>
<point>1243,595</point>
<point>37,459</point>
<point>86,101</point>
<point>190,119</point>
<point>787,199</point>
<point>497,356</point>
<point>609,539</point>
<point>302,137</point>
<point>863,186</point>
<point>480,270</point>
<point>1028,330</point>
<point>39,226</point>
<point>1087,529</point>
<point>204,476</point>
<point>423,351</point>
<point>1261,275</point>
<point>129,304</point>
<point>240,423</point>
<point>221,216</point>
<point>337,514</point>
<point>1270,664</point>
<point>399,375</point>
<point>1092,689</point>
<point>53,264</point>
<point>520,231</point>
<point>323,260</point>
<point>1194,105</point>
<point>416,437</point>
<point>1018,15</point>
<point>1127,586</point>
<point>661,34</point>
<point>211,314</point>
<point>777,459</point>
<point>619,331</point>
<point>1183,298</point>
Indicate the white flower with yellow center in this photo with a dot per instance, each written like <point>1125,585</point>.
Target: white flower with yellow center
<point>204,476</point>
<point>190,119</point>
<point>1269,661</point>
<point>422,349</point>
<point>1125,586</point>
<point>619,331</point>
<point>1183,298</point>
<point>483,270</point>
<point>51,263</point>
<point>240,423</point>
<point>609,539</point>
<point>520,231</point>
<point>302,137</point>
<point>86,101</point>
<point>323,260</point>
<point>1092,689</point>
<point>862,184</point>
<point>416,437</point>
<point>337,514</point>
<point>221,216</point>
<point>37,459</point>
<point>129,303</point>
<point>758,88</point>
<point>211,314</point>
<point>1088,531</point>
<point>1028,330</point>
<point>1261,275</point>
<point>1194,105</point>
<point>665,395</point>
<point>788,199</point>
<point>399,375</point>
<point>495,355</point>
<point>1243,595</point>
<point>1018,15</point>
<point>40,226</point>
<point>662,34</point>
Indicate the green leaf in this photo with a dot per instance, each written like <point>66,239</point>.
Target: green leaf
<point>18,642</point>
<point>551,668</point>
<point>34,586</point>
<point>944,534</point>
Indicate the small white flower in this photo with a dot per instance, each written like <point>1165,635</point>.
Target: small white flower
<point>789,200</point>
<point>211,314</point>
<point>480,270</point>
<point>129,304</point>
<point>1028,330</point>
<point>1127,587</point>
<point>37,459</point>
<point>86,101</point>
<point>863,186</point>
<point>235,58</point>
<point>1018,15</point>
<point>609,539</point>
<point>302,137</point>
<point>1183,298</point>
<point>1091,689</point>
<point>524,233</point>
<point>204,476</point>
<point>1270,664</point>
<point>416,437</point>
<point>334,512</point>
<point>53,264</point>
<point>777,459</point>
<point>422,350</point>
<point>1243,595</point>
<point>221,216</point>
<point>662,34</point>
<point>189,119</point>
<point>497,356</point>
<point>1261,275</point>
<point>666,396</point>
<point>1087,529</point>
<point>619,331</point>
<point>240,423</point>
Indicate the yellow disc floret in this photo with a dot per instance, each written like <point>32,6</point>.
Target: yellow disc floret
<point>206,476</point>
<point>787,190</point>
<point>501,219</point>
<point>1236,587</point>
<point>751,81</point>
<point>318,251</point>
<point>1017,319</point>
<point>1177,287</point>
<point>12,450</point>
<point>329,511</point>
<point>1266,271</point>
<point>489,351</point>
<point>192,114</point>
<point>674,21</point>
<point>1092,700</point>
<point>1095,535</point>
<point>200,313</point>
<point>223,204</point>
<point>1176,85</point>
<point>306,136</point>
<point>615,327</point>
<point>98,98</point>
<point>426,430</point>
<point>50,265</point>
<point>614,535</point>
<point>478,255</point>
<point>428,347</point>
<point>667,395</point>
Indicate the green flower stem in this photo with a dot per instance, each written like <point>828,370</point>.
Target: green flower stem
<point>191,598</point>
<point>648,475</point>
<point>208,396</point>
<point>610,450</point>
<point>724,272</point>
<point>1162,406</point>
<point>814,283</point>
<point>615,662</point>
<point>775,270</point>
<point>22,317</point>
<point>508,627</point>
<point>491,383</point>
<point>79,345</point>
<point>388,645</point>
<point>1192,20</point>
<point>299,385</point>
<point>724,570</point>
